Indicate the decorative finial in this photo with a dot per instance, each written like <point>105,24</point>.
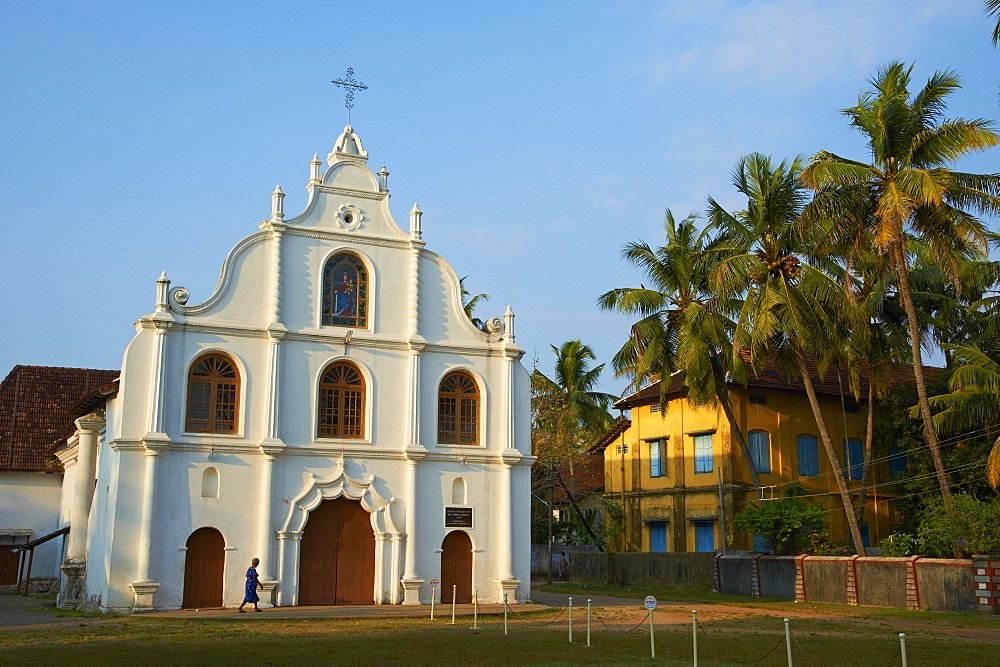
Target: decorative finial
<point>350,85</point>
<point>415,214</point>
<point>314,170</point>
<point>277,204</point>
<point>162,290</point>
<point>383,179</point>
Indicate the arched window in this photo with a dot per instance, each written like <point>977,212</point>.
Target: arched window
<point>213,394</point>
<point>210,483</point>
<point>458,410</point>
<point>345,292</point>
<point>341,402</point>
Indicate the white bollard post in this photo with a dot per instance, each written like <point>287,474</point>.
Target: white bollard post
<point>505,613</point>
<point>588,622</point>
<point>454,594</point>
<point>652,640</point>
<point>788,642</point>
<point>475,610</point>
<point>694,634</point>
<point>902,647</point>
<point>571,620</point>
<point>432,602</point>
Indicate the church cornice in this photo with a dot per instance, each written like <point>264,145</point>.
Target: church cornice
<point>330,235</point>
<point>252,449</point>
<point>346,192</point>
<point>336,336</point>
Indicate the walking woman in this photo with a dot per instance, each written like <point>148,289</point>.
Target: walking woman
<point>253,583</point>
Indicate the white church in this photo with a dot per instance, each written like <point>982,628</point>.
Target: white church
<point>330,409</point>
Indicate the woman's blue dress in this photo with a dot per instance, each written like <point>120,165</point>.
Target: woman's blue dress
<point>251,594</point>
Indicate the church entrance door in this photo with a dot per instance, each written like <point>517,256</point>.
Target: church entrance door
<point>204,568</point>
<point>337,557</point>
<point>9,562</point>
<point>456,567</point>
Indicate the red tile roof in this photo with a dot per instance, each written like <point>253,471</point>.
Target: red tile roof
<point>37,408</point>
<point>774,377</point>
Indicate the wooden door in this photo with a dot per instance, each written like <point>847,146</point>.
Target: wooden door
<point>337,556</point>
<point>456,567</point>
<point>204,569</point>
<point>8,566</point>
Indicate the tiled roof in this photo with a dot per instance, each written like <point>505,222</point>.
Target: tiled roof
<point>37,408</point>
<point>585,477</point>
<point>774,377</point>
<point>609,436</point>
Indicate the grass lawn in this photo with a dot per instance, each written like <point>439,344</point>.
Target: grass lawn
<point>256,639</point>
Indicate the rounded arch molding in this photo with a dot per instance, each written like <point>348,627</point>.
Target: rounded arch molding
<point>388,539</point>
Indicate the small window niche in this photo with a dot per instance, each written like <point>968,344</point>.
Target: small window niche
<point>210,483</point>
<point>458,491</point>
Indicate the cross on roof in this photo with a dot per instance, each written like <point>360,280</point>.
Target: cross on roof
<point>350,85</point>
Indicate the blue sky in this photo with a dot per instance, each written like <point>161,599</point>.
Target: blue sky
<point>538,137</point>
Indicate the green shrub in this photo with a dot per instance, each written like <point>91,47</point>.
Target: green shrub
<point>897,545</point>
<point>972,526</point>
<point>820,544</point>
<point>784,522</point>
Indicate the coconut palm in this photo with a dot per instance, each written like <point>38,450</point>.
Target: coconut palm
<point>993,9</point>
<point>913,191</point>
<point>790,310</point>
<point>470,301</point>
<point>567,409</point>
<point>974,399</point>
<point>681,327</point>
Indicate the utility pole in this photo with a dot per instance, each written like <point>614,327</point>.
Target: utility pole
<point>551,490</point>
<point>722,513</point>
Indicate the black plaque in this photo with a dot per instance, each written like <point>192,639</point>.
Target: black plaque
<point>458,517</point>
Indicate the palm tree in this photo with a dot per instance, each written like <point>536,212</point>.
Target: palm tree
<point>913,190</point>
<point>993,9</point>
<point>566,407</point>
<point>790,310</point>
<point>681,327</point>
<point>974,399</point>
<point>469,302</point>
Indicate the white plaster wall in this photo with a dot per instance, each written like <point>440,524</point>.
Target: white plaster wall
<point>31,500</point>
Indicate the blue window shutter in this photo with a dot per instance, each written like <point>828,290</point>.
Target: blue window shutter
<point>704,536</point>
<point>808,456</point>
<point>856,450</point>
<point>897,461</point>
<point>760,450</point>
<point>703,453</point>
<point>655,458</point>
<point>658,536</point>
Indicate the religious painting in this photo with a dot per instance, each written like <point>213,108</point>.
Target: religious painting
<point>345,292</point>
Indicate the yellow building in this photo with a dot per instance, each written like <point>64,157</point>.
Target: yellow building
<point>668,469</point>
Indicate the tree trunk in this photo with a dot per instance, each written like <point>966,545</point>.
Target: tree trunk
<point>723,395</point>
<point>831,454</point>
<point>930,433</point>
<point>859,510</point>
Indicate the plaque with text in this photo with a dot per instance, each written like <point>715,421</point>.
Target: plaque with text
<point>458,517</point>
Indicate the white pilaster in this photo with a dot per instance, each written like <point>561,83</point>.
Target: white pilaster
<point>145,543</point>
<point>265,535</point>
<point>89,429</point>
<point>154,427</point>
<point>411,580</point>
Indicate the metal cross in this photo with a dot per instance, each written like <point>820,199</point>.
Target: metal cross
<point>350,85</point>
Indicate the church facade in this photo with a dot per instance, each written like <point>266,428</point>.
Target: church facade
<point>330,409</point>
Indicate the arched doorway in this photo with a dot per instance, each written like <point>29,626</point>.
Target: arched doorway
<point>204,569</point>
<point>337,556</point>
<point>456,567</point>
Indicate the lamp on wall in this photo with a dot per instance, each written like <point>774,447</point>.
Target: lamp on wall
<point>347,337</point>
